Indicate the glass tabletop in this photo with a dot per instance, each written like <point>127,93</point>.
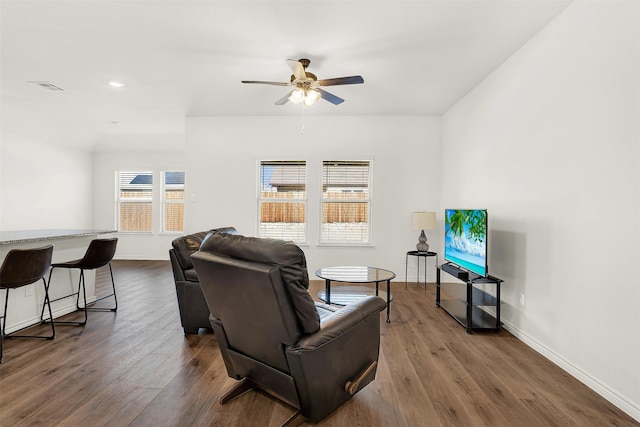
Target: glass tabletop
<point>355,274</point>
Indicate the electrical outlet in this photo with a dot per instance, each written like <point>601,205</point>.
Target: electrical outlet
<point>522,300</point>
<point>28,291</point>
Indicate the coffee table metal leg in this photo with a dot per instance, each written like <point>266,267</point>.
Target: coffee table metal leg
<point>388,299</point>
<point>327,290</point>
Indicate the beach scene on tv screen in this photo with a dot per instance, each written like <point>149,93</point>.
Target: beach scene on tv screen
<point>465,239</point>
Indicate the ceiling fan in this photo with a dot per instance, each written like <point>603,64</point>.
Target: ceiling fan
<point>307,89</point>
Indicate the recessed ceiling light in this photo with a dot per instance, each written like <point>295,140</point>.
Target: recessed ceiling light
<point>115,83</point>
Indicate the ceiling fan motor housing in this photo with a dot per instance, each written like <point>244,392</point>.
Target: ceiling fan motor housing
<point>305,63</point>
<point>309,76</point>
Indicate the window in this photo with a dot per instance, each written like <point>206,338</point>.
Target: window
<point>346,201</point>
<point>172,201</point>
<point>282,200</point>
<point>135,201</point>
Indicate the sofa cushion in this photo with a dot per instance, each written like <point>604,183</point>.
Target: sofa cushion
<point>187,245</point>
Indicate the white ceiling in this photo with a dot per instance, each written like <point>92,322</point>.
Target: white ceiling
<point>186,58</point>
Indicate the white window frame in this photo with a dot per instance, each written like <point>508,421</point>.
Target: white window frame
<point>164,201</point>
<point>120,200</point>
<point>260,199</point>
<point>323,241</point>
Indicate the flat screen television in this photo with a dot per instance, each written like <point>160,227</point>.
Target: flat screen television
<point>465,239</point>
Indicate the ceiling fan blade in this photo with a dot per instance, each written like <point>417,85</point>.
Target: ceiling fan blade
<point>335,100</point>
<point>297,68</point>
<point>266,83</point>
<point>284,99</point>
<point>351,80</point>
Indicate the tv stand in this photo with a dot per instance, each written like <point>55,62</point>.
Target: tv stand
<point>469,304</point>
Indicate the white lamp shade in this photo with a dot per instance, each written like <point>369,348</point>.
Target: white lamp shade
<point>423,220</point>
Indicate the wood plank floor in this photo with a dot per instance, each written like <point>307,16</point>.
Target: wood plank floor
<point>136,368</point>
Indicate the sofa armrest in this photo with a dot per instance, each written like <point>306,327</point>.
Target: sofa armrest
<point>178,273</point>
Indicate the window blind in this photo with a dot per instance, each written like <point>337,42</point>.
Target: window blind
<point>173,201</point>
<point>345,201</point>
<point>135,201</point>
<point>282,199</point>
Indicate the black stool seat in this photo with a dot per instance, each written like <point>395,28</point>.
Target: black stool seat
<point>22,267</point>
<point>99,254</point>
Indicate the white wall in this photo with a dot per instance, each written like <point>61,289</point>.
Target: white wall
<point>154,245</point>
<point>221,174</point>
<point>44,183</point>
<point>549,144</point>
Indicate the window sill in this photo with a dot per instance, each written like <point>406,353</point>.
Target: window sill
<point>346,244</point>
<point>144,233</point>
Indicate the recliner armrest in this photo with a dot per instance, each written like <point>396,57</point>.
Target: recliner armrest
<point>339,322</point>
<point>345,346</point>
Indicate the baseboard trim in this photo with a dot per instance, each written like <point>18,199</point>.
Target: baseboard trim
<point>142,257</point>
<point>59,312</point>
<point>624,404</point>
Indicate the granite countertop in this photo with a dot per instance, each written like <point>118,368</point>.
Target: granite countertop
<point>31,236</point>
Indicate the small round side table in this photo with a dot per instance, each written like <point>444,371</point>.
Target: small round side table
<point>419,255</point>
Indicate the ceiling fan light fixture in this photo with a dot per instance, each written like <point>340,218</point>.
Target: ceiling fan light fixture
<point>297,96</point>
<point>311,98</point>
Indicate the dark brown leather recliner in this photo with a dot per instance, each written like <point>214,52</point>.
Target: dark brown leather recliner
<point>270,332</point>
<point>194,313</point>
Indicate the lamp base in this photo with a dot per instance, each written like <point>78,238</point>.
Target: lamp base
<point>422,245</point>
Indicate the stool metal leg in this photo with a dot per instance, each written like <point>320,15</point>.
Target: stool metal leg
<point>113,286</point>
<point>3,319</point>
<point>47,303</point>
<point>77,294</point>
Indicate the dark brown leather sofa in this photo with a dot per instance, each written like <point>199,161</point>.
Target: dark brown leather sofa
<point>194,313</point>
<point>271,334</point>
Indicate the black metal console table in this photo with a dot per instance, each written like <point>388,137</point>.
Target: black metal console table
<point>469,305</point>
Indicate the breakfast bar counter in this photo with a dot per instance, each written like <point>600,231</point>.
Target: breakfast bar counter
<point>68,244</point>
<point>33,236</point>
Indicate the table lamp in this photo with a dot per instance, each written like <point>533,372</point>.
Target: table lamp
<point>423,221</point>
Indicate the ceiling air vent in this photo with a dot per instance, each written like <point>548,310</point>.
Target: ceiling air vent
<point>47,86</point>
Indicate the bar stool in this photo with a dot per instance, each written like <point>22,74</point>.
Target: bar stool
<point>99,253</point>
<point>22,267</point>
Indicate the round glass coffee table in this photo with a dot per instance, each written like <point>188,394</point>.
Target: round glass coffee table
<point>344,295</point>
